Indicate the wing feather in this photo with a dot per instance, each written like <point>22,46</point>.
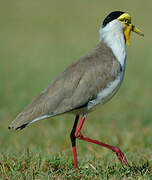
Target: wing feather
<point>73,88</point>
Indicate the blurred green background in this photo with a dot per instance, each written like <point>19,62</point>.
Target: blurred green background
<point>40,38</point>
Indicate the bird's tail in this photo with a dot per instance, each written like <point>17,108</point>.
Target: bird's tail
<point>35,111</point>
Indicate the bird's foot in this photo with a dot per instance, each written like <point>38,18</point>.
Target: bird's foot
<point>120,155</point>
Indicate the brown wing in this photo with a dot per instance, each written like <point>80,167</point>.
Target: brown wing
<point>73,88</point>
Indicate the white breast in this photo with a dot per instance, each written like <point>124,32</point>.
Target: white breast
<point>106,94</point>
<point>113,36</point>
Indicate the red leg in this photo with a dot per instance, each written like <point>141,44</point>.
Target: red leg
<point>73,141</point>
<point>80,126</point>
<point>117,150</point>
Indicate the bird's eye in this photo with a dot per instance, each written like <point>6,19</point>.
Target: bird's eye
<point>126,20</point>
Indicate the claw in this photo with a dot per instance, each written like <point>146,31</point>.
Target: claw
<point>120,155</point>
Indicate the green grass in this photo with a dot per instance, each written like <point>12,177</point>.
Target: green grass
<point>37,40</point>
<point>36,166</point>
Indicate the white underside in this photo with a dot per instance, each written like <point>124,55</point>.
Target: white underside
<point>113,36</point>
<point>39,118</point>
<point>106,94</point>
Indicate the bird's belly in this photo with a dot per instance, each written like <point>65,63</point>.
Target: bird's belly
<point>107,93</point>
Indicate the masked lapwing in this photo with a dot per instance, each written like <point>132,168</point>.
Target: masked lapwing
<point>86,83</point>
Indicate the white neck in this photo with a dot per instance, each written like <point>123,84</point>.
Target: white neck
<point>112,34</point>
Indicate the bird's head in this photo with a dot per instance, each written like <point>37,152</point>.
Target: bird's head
<point>113,20</point>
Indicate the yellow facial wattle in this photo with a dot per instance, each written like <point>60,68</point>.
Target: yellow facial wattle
<point>127,31</point>
<point>128,27</point>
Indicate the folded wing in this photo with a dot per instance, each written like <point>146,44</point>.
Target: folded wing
<point>73,88</point>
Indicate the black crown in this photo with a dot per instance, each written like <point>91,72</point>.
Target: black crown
<point>113,15</point>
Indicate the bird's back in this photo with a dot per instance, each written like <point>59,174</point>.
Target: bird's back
<point>73,88</point>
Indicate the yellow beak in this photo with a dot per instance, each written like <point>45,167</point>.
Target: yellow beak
<point>127,30</point>
<point>136,30</point>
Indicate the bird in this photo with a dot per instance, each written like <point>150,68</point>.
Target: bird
<point>87,83</point>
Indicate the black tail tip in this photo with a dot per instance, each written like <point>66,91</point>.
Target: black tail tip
<point>10,127</point>
<point>22,127</point>
<point>18,128</point>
